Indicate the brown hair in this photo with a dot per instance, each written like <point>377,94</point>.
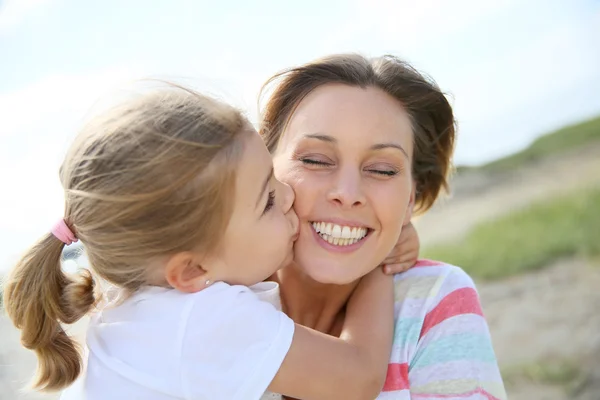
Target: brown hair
<point>144,180</point>
<point>431,114</point>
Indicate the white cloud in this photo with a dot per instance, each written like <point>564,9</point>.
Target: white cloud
<point>496,59</point>
<point>407,25</point>
<point>58,95</point>
<point>13,12</point>
<point>504,102</point>
<point>36,126</point>
<point>503,65</point>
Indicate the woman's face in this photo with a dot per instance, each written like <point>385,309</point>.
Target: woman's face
<point>347,153</point>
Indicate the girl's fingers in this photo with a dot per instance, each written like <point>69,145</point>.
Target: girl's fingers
<point>396,268</point>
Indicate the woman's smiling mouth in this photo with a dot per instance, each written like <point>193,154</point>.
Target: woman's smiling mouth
<point>339,235</point>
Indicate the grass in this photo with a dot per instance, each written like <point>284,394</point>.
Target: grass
<point>528,239</point>
<point>565,373</point>
<point>566,138</point>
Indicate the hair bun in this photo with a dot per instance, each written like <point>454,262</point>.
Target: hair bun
<point>78,297</point>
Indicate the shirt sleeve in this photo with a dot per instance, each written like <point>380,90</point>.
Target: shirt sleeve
<point>233,346</point>
<point>454,357</point>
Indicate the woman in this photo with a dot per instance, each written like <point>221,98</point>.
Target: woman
<point>364,142</point>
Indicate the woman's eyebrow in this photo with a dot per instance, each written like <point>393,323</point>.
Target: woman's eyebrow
<point>378,146</point>
<point>381,146</point>
<point>320,136</point>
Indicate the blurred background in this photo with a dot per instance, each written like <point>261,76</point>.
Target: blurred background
<point>524,78</point>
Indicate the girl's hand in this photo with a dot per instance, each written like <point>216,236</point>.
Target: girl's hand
<point>405,253</point>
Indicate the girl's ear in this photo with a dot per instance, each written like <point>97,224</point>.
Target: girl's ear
<point>184,273</point>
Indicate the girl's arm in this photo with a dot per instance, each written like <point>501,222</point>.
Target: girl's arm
<point>319,366</point>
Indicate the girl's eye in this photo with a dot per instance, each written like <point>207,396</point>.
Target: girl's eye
<point>270,202</point>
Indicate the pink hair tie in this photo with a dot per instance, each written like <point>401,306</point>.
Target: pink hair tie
<point>63,233</point>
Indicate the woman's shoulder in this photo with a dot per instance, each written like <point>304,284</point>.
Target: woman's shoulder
<point>441,339</point>
<point>432,292</point>
<point>429,278</point>
<point>426,295</point>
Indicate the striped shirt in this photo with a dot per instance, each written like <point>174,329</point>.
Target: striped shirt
<point>442,347</point>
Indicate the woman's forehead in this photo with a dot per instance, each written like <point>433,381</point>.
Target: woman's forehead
<point>344,111</point>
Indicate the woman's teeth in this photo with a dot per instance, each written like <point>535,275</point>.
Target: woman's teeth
<point>339,235</point>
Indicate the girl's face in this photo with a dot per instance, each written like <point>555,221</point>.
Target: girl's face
<point>263,226</point>
<point>347,153</point>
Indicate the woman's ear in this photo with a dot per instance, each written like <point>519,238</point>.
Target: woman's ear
<point>184,273</point>
<point>411,205</point>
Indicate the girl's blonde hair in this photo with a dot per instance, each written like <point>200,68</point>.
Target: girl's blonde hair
<point>151,177</point>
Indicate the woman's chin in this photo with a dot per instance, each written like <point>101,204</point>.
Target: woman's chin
<point>327,266</point>
<point>329,274</point>
<point>329,270</point>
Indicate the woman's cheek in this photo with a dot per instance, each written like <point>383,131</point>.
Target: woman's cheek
<point>286,170</point>
<point>391,207</point>
<point>305,191</point>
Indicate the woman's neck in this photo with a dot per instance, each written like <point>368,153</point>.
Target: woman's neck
<point>313,304</point>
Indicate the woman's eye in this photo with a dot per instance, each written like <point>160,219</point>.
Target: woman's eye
<point>311,161</point>
<point>384,172</point>
<point>270,202</point>
<point>321,163</point>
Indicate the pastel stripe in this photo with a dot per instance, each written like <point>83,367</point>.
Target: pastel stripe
<point>458,389</point>
<point>461,301</point>
<point>411,308</point>
<point>442,348</point>
<point>461,324</point>
<point>427,263</point>
<point>407,330</point>
<point>395,395</point>
<point>417,287</point>
<point>455,370</point>
<point>397,377</point>
<point>438,271</point>
<point>465,346</point>
<point>456,279</point>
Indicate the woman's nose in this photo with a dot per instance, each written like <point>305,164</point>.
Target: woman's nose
<point>347,190</point>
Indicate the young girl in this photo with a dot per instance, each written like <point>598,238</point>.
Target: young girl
<point>174,199</point>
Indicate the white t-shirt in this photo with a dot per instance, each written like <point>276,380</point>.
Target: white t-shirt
<point>223,342</point>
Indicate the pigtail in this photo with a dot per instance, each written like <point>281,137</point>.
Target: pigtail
<point>38,296</point>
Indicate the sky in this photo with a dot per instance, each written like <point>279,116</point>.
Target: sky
<point>512,69</point>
